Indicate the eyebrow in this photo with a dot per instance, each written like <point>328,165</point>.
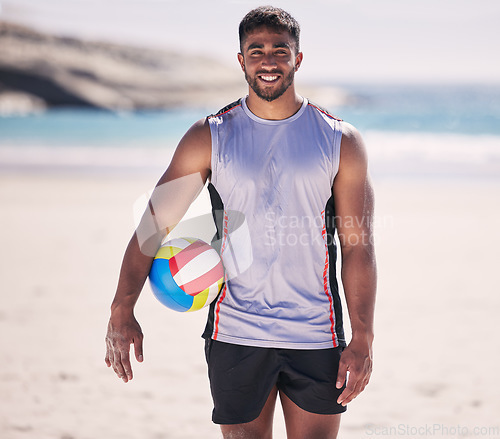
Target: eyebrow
<point>275,46</point>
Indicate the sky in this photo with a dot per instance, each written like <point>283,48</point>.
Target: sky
<point>343,41</point>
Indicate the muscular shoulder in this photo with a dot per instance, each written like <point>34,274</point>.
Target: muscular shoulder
<point>197,138</point>
<point>196,144</point>
<point>193,154</point>
<point>352,189</point>
<point>353,157</point>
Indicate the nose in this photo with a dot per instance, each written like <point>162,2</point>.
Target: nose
<point>269,60</point>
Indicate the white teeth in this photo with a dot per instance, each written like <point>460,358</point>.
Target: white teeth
<point>269,78</point>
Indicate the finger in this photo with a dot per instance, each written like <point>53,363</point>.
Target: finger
<point>341,374</point>
<point>107,358</point>
<point>353,389</point>
<point>359,382</point>
<point>110,355</point>
<point>349,383</point>
<point>119,351</point>
<point>121,361</point>
<point>351,397</point>
<point>346,397</point>
<point>119,369</point>
<point>125,360</point>
<point>114,365</point>
<point>138,349</point>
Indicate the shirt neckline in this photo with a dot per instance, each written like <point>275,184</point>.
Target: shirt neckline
<point>273,122</point>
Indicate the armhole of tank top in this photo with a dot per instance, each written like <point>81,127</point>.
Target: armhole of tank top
<point>337,139</point>
<point>214,151</point>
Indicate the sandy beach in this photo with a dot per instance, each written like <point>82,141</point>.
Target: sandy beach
<point>62,240</point>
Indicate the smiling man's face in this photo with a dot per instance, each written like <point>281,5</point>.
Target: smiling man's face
<point>269,60</point>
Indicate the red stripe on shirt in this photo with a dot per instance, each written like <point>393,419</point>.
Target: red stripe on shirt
<point>223,295</point>
<point>227,111</point>
<point>326,113</point>
<point>325,282</point>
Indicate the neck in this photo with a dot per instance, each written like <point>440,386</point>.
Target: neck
<point>282,108</point>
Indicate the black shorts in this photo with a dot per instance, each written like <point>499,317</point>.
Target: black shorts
<point>241,378</point>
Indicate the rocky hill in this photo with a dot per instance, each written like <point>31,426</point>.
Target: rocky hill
<point>39,70</point>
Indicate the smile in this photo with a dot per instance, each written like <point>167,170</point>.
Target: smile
<point>269,78</point>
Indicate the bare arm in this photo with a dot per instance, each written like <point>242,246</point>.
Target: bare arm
<point>176,189</point>
<point>354,201</point>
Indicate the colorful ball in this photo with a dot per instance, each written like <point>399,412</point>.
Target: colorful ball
<point>186,274</point>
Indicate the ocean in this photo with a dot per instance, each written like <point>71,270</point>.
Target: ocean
<point>437,131</point>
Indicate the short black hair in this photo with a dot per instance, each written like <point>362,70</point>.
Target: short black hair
<point>273,18</point>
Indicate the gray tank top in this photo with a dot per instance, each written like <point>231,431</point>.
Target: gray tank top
<point>271,193</point>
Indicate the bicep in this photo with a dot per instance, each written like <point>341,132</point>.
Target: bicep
<point>184,178</point>
<point>352,191</point>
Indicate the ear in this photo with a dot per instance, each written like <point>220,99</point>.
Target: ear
<point>298,60</point>
<point>241,60</point>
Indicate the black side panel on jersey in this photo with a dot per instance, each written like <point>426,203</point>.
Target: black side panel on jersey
<point>218,216</point>
<point>332,272</point>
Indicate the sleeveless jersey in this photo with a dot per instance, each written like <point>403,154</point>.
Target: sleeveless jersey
<point>272,203</point>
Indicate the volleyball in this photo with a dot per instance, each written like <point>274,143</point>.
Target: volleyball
<point>186,274</point>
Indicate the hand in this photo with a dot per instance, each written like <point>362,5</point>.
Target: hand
<point>357,359</point>
<point>123,330</point>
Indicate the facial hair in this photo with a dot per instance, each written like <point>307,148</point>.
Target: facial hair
<point>269,95</point>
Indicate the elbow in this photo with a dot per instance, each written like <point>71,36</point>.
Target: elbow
<point>359,254</point>
<point>357,243</point>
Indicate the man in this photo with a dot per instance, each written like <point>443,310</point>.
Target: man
<point>294,174</point>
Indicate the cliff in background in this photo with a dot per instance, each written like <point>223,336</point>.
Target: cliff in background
<point>40,70</point>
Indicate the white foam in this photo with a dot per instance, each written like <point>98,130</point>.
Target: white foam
<point>428,147</point>
<point>420,153</point>
<point>85,157</point>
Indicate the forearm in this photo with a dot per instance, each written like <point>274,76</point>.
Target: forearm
<point>133,274</point>
<point>359,277</point>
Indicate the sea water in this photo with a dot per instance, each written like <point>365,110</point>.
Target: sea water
<point>417,130</point>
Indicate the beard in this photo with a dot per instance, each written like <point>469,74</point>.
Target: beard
<point>271,94</point>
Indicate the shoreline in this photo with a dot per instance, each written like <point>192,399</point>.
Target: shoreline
<point>391,156</point>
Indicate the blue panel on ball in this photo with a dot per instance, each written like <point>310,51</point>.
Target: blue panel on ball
<point>165,289</point>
